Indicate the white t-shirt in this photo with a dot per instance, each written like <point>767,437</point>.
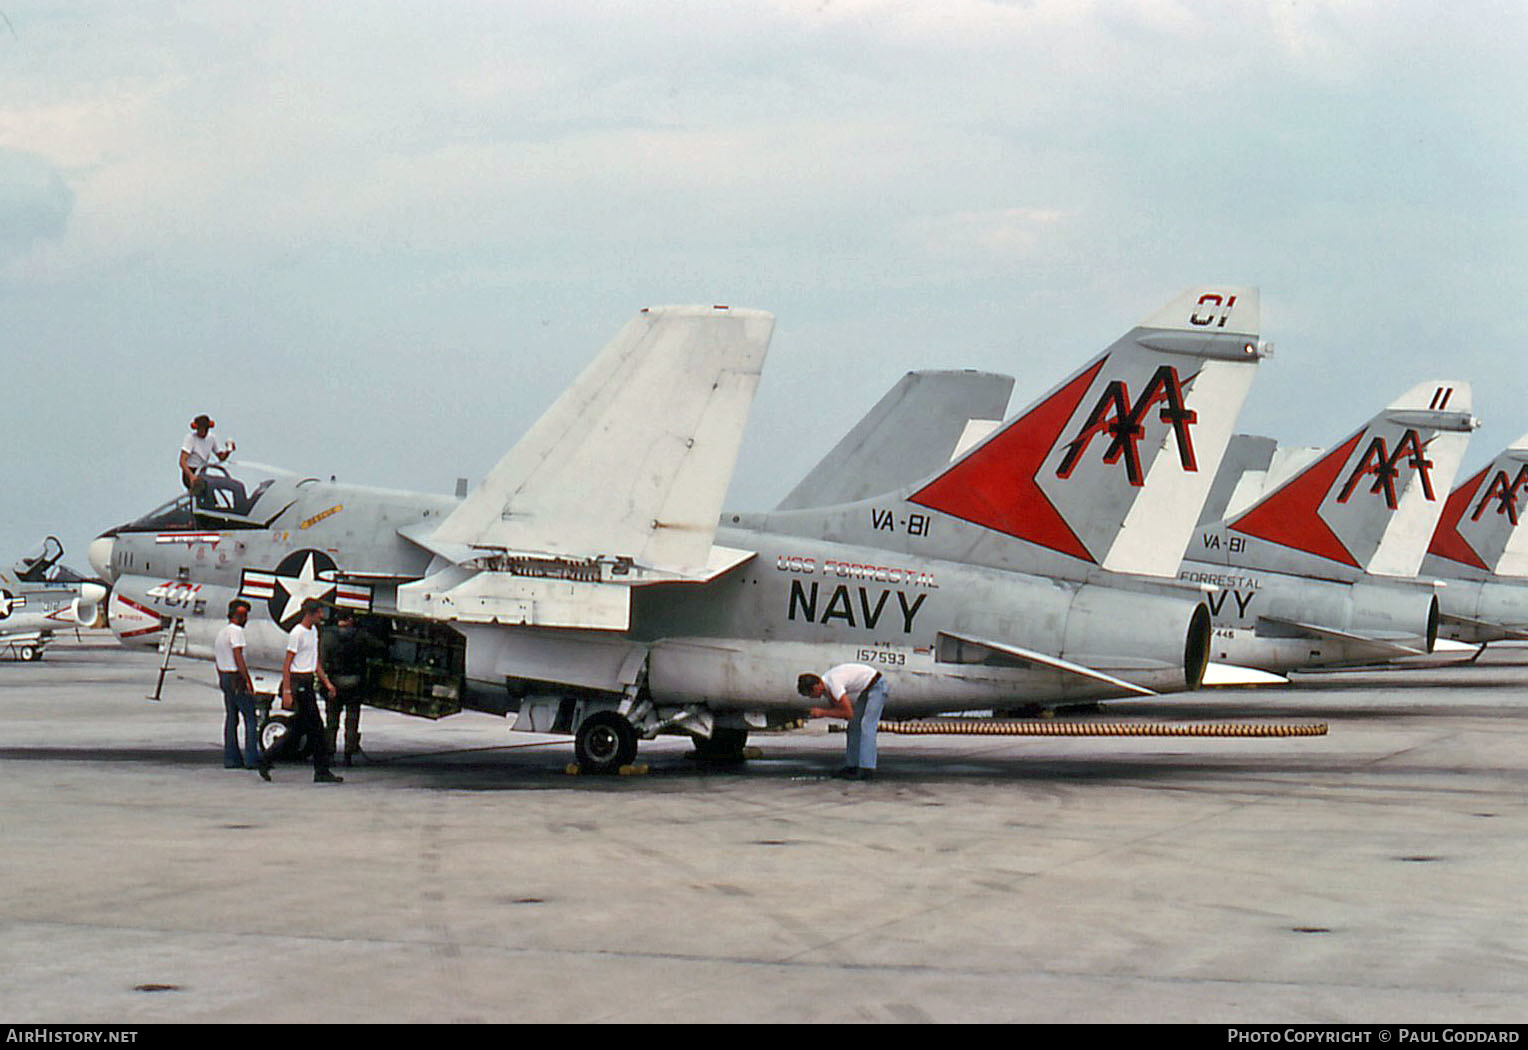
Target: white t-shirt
<point>231,637</point>
<point>199,450</point>
<point>848,679</point>
<point>302,643</point>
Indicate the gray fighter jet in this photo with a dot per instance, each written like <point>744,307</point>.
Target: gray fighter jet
<point>1481,555</point>
<point>1314,557</point>
<point>590,586</point>
<point>1322,570</point>
<point>924,421</point>
<point>40,595</point>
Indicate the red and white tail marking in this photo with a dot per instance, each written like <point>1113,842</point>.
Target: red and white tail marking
<point>1372,502</point>
<point>1111,467</point>
<point>1479,526</point>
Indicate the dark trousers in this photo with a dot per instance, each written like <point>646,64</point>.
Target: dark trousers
<point>309,722</point>
<point>346,701</point>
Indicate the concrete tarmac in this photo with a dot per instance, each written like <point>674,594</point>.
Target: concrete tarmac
<point>1372,875</point>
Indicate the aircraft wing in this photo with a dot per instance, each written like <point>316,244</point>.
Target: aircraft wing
<point>619,484</point>
<point>1222,676</point>
<point>1046,660</point>
<point>1313,630</point>
<point>1514,633</point>
<point>1448,645</point>
<point>634,459</point>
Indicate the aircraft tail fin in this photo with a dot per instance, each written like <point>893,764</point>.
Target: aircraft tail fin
<point>1245,463</point>
<point>633,460</point>
<point>1112,466</point>
<point>910,433</point>
<point>1371,502</point>
<point>1479,525</point>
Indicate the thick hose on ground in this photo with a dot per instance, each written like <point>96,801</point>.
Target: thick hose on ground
<point>987,727</point>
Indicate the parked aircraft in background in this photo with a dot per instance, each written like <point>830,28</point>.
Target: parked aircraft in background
<point>40,595</point>
<point>1331,613</point>
<point>1481,554</point>
<point>924,421</point>
<point>1322,569</point>
<point>586,585</point>
<point>1252,467</point>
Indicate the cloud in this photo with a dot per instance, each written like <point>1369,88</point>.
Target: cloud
<point>987,236</point>
<point>420,193</point>
<point>35,202</point>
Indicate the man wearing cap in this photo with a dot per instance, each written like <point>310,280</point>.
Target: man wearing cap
<point>238,693</point>
<point>198,450</point>
<point>858,693</point>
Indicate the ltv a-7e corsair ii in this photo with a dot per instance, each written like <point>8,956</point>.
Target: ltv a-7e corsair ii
<point>590,585</point>
<point>1319,567</point>
<point>1480,552</point>
<point>40,595</point>
<point>1322,569</point>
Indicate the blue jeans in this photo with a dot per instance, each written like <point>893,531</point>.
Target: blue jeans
<point>859,749</point>
<point>238,704</point>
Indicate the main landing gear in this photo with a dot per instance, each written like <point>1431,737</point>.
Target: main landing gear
<point>722,747</point>
<point>605,742</point>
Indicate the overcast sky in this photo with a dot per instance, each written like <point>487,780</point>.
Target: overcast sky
<point>376,240</point>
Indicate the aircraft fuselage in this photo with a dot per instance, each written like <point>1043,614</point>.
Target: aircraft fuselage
<point>1256,617</point>
<point>733,644</point>
<point>1497,609</point>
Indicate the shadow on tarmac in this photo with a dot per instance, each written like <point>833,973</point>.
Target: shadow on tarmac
<point>481,771</point>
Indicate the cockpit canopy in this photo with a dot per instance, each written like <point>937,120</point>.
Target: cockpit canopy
<point>251,500</point>
<point>42,565</point>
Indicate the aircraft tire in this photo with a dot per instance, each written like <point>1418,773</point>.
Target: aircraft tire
<point>29,653</point>
<point>605,742</point>
<point>276,737</point>
<point>724,745</point>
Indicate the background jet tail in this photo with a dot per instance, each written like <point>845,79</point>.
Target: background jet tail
<point>922,423</point>
<point>1111,467</point>
<point>1479,526</point>
<point>1372,502</point>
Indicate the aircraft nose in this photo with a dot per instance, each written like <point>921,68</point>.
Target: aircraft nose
<point>100,558</point>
